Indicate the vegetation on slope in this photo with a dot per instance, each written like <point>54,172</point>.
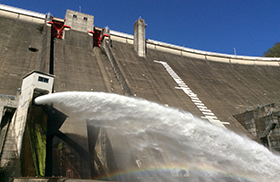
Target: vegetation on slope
<point>273,51</point>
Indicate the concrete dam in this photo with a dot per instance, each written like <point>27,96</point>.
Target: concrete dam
<point>82,102</point>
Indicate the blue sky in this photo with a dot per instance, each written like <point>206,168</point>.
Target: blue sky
<point>249,26</point>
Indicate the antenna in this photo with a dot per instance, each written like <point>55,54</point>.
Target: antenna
<point>234,51</point>
<point>80,9</point>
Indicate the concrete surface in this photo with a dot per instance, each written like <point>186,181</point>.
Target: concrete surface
<point>16,59</point>
<point>226,86</point>
<point>8,104</point>
<point>226,89</point>
<point>139,37</point>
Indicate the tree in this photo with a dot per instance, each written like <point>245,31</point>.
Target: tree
<point>273,51</point>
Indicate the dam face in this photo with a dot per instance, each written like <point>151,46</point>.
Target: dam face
<point>42,55</point>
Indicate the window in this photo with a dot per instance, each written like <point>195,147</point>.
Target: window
<point>74,16</point>
<point>42,79</point>
<point>85,18</point>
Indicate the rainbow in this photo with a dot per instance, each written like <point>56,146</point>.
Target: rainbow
<point>204,170</point>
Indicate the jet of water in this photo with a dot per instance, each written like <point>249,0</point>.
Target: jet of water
<point>179,137</point>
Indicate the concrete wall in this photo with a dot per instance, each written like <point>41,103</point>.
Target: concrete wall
<point>21,14</point>
<point>7,106</point>
<point>226,84</point>
<point>225,88</point>
<point>24,47</point>
<point>122,82</point>
<point>16,59</point>
<point>79,67</point>
<point>259,121</point>
<point>8,101</point>
<point>88,69</point>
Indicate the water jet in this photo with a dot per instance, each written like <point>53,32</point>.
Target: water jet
<point>143,141</point>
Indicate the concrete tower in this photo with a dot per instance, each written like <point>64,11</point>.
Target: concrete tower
<point>34,83</point>
<point>139,37</point>
<point>79,21</point>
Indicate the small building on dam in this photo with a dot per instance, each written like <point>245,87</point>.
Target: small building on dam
<point>41,54</point>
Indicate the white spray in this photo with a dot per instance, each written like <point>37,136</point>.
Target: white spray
<point>189,136</point>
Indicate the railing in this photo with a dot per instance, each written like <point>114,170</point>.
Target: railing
<point>12,97</point>
<point>230,58</point>
<point>116,68</point>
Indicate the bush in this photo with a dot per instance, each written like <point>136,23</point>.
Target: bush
<point>273,51</point>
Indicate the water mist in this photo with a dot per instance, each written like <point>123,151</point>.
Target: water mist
<point>188,145</point>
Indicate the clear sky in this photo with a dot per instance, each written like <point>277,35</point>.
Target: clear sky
<point>248,26</point>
